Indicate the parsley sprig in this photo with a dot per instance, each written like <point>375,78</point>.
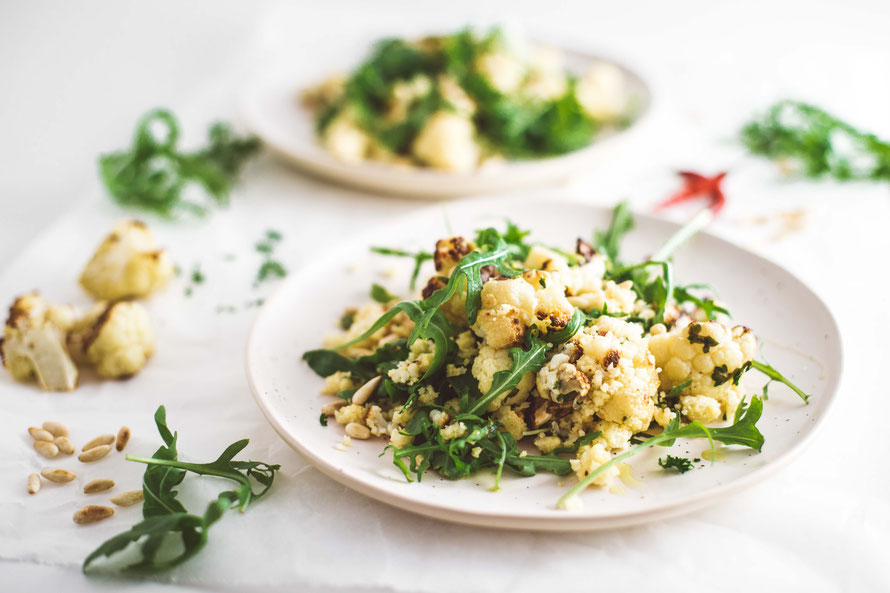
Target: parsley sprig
<point>154,172</point>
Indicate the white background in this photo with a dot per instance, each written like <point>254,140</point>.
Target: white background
<point>75,76</point>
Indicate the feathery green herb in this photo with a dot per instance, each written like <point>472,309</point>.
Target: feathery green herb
<point>154,172</point>
<point>681,464</point>
<point>169,535</point>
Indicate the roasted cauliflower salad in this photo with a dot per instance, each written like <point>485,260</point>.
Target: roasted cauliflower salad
<point>577,354</point>
<point>457,102</point>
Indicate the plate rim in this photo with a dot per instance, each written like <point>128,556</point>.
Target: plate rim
<point>436,184</point>
<point>551,519</point>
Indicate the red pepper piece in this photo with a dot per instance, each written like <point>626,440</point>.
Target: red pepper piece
<point>696,185</point>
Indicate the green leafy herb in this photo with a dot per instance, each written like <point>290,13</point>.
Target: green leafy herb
<point>347,320</point>
<point>683,294</point>
<point>381,295</point>
<point>743,432</point>
<point>169,535</point>
<point>609,242</point>
<point>681,464</point>
<point>695,337</point>
<point>270,269</point>
<point>721,374</point>
<point>323,419</point>
<point>419,258</point>
<point>818,143</point>
<point>775,375</point>
<point>153,173</point>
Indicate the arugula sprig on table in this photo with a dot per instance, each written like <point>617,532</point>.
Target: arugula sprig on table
<point>169,534</point>
<point>819,143</point>
<point>154,172</point>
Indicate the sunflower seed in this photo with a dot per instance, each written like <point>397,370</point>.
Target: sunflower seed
<point>103,439</point>
<point>92,513</point>
<point>94,454</point>
<point>123,436</point>
<point>59,476</point>
<point>100,485</point>
<point>40,435</point>
<point>362,394</point>
<point>357,431</point>
<point>46,448</point>
<point>33,483</point>
<point>65,446</point>
<point>57,429</point>
<point>126,499</point>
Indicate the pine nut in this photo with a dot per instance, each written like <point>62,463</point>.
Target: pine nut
<point>123,437</point>
<point>40,435</point>
<point>33,483</point>
<point>100,485</point>
<point>57,429</point>
<point>103,439</point>
<point>357,431</point>
<point>65,446</point>
<point>329,408</point>
<point>59,476</point>
<point>362,394</point>
<point>46,448</point>
<point>94,454</point>
<point>127,499</point>
<point>92,513</point>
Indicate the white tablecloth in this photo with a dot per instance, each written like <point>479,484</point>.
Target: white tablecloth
<point>819,525</point>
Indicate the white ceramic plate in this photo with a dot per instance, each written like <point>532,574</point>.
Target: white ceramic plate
<point>800,338</point>
<point>271,109</point>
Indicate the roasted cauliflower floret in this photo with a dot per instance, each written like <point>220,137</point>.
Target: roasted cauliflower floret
<point>116,338</point>
<point>490,361</point>
<point>420,357</point>
<point>449,252</point>
<point>590,457</point>
<point>447,141</point>
<point>710,355</point>
<point>33,344</point>
<point>602,93</point>
<point>128,264</point>
<point>503,70</point>
<point>346,140</point>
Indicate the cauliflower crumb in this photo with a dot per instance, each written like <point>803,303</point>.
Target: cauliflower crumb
<point>455,430</point>
<point>339,381</point>
<point>410,370</point>
<point>350,413</point>
<point>590,457</point>
<point>452,370</point>
<point>547,443</point>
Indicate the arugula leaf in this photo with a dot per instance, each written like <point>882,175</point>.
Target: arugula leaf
<point>419,258</point>
<point>743,432</point>
<point>681,464</point>
<point>529,360</point>
<point>609,242</point>
<point>682,294</point>
<point>153,173</point>
<point>657,290</point>
<point>775,375</point>
<point>170,535</point>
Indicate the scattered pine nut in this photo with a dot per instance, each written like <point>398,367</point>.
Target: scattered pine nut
<point>329,408</point>
<point>358,431</point>
<point>33,483</point>
<point>102,439</point>
<point>46,448</point>
<point>127,499</point>
<point>94,454</point>
<point>59,476</point>
<point>123,436</point>
<point>66,447</point>
<point>57,429</point>
<point>40,435</point>
<point>99,485</point>
<point>362,394</point>
<point>92,513</point>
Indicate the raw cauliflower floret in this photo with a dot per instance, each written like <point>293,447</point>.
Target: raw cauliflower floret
<point>447,141</point>
<point>346,140</point>
<point>711,356</point>
<point>601,92</point>
<point>128,264</point>
<point>116,338</point>
<point>420,357</point>
<point>590,457</point>
<point>33,344</point>
<point>490,361</point>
